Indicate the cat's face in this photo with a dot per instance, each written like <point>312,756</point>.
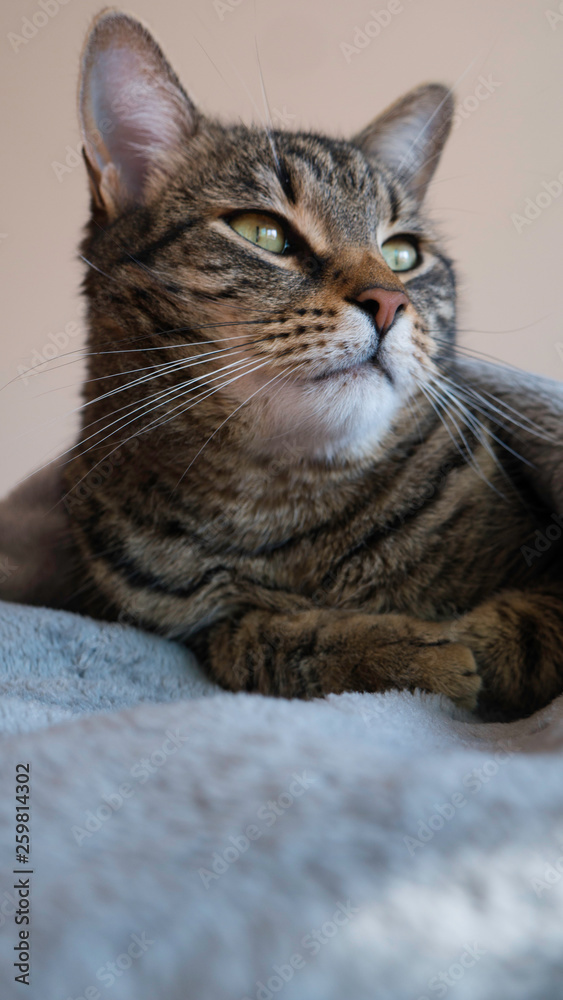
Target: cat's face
<point>297,269</point>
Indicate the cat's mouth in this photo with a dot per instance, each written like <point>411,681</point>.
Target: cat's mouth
<point>355,370</point>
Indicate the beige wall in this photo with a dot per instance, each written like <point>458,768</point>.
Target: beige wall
<point>505,147</point>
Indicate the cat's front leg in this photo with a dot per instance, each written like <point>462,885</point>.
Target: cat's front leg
<point>307,654</point>
<point>517,640</point>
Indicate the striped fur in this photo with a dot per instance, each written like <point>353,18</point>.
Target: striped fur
<point>333,514</point>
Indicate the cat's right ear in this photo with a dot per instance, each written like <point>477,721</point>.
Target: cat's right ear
<point>409,136</point>
<point>134,112</point>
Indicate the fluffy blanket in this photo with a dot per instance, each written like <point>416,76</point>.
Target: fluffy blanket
<point>190,843</point>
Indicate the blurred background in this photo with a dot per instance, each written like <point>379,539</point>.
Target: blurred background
<point>328,65</point>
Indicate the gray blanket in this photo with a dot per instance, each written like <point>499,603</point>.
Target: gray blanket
<point>190,843</point>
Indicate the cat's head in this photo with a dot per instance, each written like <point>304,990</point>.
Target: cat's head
<point>295,269</point>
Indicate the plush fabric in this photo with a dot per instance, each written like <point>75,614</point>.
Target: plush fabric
<point>190,843</point>
<point>434,839</point>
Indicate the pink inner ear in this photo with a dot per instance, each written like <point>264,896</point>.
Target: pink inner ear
<point>136,112</point>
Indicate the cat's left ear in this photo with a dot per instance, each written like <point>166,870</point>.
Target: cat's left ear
<point>134,112</point>
<point>410,135</point>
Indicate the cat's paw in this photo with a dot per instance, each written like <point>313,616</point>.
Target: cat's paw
<point>455,674</point>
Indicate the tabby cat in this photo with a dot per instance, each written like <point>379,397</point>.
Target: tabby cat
<point>297,482</point>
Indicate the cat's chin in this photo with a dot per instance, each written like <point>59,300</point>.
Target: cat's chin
<point>344,413</point>
<point>341,417</point>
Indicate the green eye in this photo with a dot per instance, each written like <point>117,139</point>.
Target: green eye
<point>400,253</point>
<point>262,230</point>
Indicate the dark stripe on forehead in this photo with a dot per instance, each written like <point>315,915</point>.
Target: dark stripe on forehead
<point>342,155</point>
<point>395,203</point>
<point>333,162</point>
<point>312,164</point>
<point>335,148</point>
<point>147,253</point>
<point>286,182</point>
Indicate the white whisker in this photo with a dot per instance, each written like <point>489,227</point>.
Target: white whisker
<point>217,429</point>
<point>153,425</point>
<point>479,430</point>
<point>509,414</point>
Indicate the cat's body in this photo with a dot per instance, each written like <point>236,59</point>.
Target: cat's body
<point>299,512</point>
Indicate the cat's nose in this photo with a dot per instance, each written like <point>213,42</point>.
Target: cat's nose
<point>382,305</point>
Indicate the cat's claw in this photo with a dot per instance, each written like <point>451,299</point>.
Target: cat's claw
<point>456,674</point>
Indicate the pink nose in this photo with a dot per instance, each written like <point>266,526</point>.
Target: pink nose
<point>382,305</point>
